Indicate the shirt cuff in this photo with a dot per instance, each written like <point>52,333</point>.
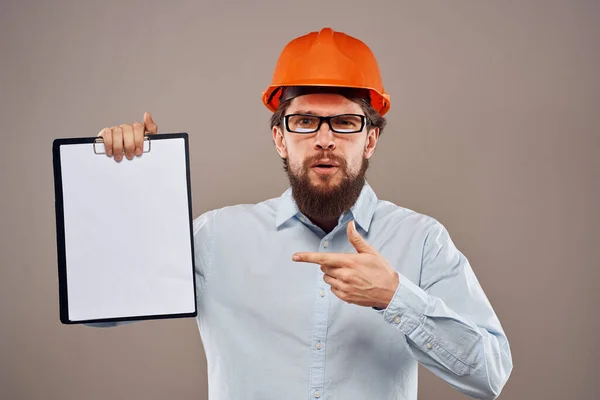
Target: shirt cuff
<point>408,305</point>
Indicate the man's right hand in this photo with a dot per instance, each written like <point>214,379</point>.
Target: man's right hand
<point>127,138</point>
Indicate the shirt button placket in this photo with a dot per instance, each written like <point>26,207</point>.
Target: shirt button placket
<point>317,370</point>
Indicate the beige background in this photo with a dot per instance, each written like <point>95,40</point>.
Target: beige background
<point>494,130</point>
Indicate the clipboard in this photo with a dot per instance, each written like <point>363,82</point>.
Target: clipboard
<point>124,231</point>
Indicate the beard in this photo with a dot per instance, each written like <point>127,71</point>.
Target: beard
<point>326,201</point>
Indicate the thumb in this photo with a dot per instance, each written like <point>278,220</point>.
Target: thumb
<point>357,241</point>
<point>150,125</point>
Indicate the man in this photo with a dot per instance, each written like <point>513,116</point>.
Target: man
<point>327,292</point>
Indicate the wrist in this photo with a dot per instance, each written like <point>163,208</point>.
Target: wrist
<point>389,292</point>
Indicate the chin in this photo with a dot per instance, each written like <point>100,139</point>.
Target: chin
<point>325,183</point>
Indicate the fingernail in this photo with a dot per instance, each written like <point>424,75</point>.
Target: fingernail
<point>296,257</point>
<point>138,151</point>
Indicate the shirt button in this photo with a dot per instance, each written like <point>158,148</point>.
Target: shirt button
<point>325,243</point>
<point>317,394</point>
<point>397,320</point>
<point>429,345</point>
<point>319,346</point>
<point>322,293</point>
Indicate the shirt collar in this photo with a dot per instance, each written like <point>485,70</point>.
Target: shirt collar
<point>286,209</point>
<point>362,210</point>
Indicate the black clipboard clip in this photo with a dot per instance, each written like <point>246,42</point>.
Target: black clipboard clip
<point>100,139</point>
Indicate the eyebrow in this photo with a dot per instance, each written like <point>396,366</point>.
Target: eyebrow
<point>301,111</point>
<point>310,112</point>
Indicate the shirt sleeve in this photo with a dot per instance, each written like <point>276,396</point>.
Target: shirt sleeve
<point>449,324</point>
<point>203,242</point>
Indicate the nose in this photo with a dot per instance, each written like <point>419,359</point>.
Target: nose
<point>324,138</point>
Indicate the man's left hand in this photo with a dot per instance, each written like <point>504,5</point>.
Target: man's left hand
<point>366,278</point>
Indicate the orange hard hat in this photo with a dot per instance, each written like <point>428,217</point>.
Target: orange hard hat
<point>327,59</point>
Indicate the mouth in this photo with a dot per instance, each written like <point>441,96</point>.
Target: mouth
<point>325,164</point>
<point>325,167</point>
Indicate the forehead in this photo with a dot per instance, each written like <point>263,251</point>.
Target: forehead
<point>323,104</point>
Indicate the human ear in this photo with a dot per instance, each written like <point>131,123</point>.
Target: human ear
<point>279,140</point>
<point>371,142</point>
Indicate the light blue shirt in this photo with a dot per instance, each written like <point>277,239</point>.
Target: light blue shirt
<point>272,328</point>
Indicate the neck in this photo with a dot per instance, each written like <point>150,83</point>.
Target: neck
<point>326,224</point>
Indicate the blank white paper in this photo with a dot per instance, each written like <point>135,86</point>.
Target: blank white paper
<point>127,232</point>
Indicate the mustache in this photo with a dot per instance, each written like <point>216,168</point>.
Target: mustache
<point>341,161</point>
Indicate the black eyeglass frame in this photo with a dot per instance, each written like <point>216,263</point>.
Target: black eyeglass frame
<point>363,122</point>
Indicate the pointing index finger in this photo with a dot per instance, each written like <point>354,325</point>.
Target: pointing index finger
<point>334,259</point>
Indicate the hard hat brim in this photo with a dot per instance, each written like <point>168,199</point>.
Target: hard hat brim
<point>379,101</point>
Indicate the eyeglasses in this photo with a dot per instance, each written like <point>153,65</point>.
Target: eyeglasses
<point>307,123</point>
